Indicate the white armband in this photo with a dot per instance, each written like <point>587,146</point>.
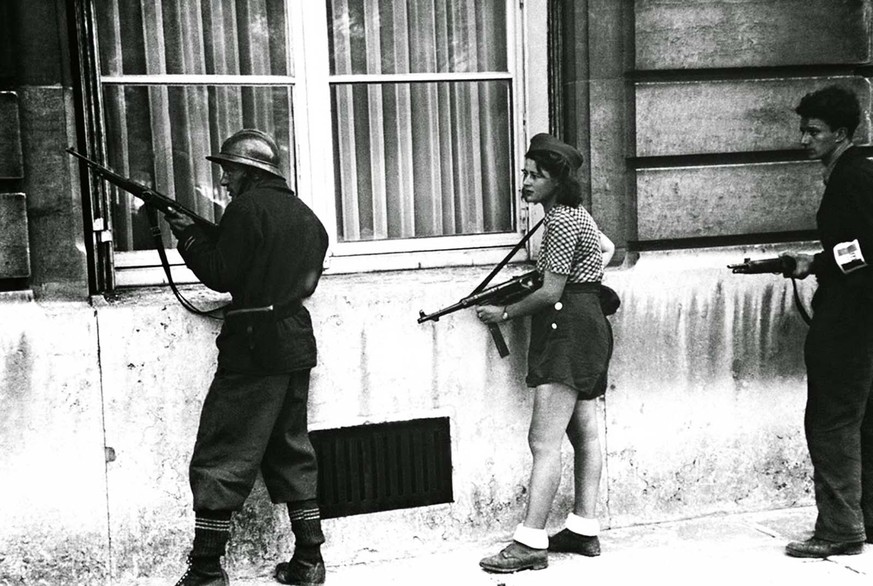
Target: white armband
<point>849,257</point>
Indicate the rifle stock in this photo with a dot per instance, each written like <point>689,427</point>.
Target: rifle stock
<point>500,294</point>
<point>148,196</point>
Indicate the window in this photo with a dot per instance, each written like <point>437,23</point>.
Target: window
<point>446,170</point>
<point>399,120</point>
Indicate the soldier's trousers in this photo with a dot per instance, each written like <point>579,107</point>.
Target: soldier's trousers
<point>251,423</point>
<point>839,409</point>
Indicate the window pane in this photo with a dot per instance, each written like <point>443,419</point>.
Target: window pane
<point>416,36</point>
<point>422,159</point>
<point>228,37</point>
<point>160,136</point>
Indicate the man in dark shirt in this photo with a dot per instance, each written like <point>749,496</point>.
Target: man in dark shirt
<point>268,254</point>
<point>839,346</point>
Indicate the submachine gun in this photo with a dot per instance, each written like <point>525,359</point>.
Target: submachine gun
<point>781,265</point>
<point>154,203</point>
<point>501,294</point>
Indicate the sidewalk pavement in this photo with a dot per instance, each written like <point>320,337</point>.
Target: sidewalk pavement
<point>744,550</point>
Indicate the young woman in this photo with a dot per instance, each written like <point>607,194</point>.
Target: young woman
<point>570,345</point>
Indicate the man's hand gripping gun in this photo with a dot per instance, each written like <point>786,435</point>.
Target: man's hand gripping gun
<point>781,265</point>
<point>151,197</point>
<point>500,294</point>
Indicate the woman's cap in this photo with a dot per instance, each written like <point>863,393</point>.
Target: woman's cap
<point>544,142</point>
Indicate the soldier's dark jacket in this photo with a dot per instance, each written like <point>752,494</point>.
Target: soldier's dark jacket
<point>846,213</point>
<point>839,355</point>
<point>269,250</point>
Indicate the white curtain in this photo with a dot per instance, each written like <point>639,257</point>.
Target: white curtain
<point>160,134</point>
<point>424,158</point>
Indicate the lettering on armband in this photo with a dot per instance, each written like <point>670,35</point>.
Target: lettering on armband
<point>849,257</point>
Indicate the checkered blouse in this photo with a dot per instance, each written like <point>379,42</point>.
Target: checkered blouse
<point>571,245</point>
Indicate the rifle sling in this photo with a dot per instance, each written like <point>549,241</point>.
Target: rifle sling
<point>159,244</point>
<point>507,258</point>
<point>804,315</point>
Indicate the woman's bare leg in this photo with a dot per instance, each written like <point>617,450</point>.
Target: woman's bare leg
<point>553,408</point>
<point>588,462</point>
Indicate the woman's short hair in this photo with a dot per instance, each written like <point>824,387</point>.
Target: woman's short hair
<point>835,105</point>
<point>569,190</point>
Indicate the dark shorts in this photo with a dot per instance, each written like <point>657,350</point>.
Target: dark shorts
<point>571,343</point>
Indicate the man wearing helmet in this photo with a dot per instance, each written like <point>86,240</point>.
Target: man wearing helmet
<point>268,254</point>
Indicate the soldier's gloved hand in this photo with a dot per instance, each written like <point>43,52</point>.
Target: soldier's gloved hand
<point>178,222</point>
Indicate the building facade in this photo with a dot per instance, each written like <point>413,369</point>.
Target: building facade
<point>403,125</point>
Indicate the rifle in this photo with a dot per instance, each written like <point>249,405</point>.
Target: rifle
<point>155,202</point>
<point>500,294</point>
<point>149,196</point>
<point>782,265</point>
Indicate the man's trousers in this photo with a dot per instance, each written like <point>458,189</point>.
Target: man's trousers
<point>839,409</point>
<point>251,423</point>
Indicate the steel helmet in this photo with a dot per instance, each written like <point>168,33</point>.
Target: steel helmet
<point>252,148</point>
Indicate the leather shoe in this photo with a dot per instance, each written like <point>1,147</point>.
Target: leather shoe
<point>568,542</point>
<point>514,558</point>
<point>815,547</point>
<point>299,572</point>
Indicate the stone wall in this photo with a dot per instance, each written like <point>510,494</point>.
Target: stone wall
<point>100,406</point>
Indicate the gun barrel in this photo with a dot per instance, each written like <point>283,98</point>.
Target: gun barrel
<point>435,316</point>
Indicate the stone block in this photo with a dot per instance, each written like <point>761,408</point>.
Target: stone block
<point>730,116</point>
<point>7,41</point>
<point>14,247</point>
<point>59,262</point>
<point>40,46</point>
<point>671,34</point>
<point>10,137</point>
<point>692,202</point>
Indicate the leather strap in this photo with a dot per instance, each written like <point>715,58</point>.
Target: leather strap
<point>507,258</point>
<point>804,315</point>
<point>159,244</point>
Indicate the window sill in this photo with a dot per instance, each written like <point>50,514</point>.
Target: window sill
<point>142,268</point>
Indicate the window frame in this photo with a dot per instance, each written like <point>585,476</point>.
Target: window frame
<point>311,82</point>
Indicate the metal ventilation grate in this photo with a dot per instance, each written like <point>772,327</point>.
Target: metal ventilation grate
<point>379,467</point>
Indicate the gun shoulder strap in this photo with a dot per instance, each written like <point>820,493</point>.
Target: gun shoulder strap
<point>507,258</point>
<point>159,244</point>
<point>804,315</point>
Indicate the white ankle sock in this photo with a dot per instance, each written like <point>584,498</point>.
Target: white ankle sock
<point>535,538</point>
<point>583,525</point>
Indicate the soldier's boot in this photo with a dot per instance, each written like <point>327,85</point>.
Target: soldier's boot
<point>203,571</point>
<point>306,566</point>
<point>211,532</point>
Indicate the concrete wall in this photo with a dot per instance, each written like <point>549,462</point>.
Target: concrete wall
<point>53,519</point>
<point>704,414</point>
